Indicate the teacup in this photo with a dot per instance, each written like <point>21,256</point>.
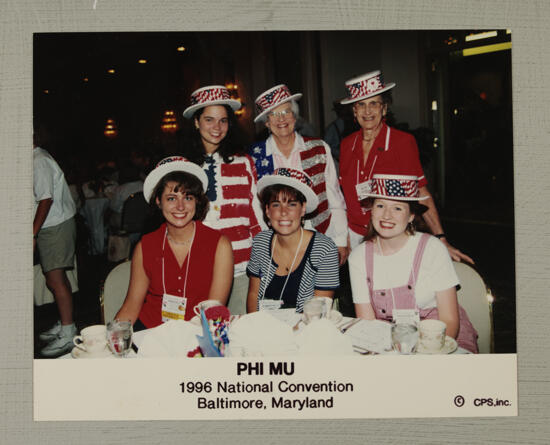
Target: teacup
<point>92,339</point>
<point>206,304</point>
<point>432,334</point>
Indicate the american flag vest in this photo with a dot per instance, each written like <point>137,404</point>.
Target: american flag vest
<point>314,162</point>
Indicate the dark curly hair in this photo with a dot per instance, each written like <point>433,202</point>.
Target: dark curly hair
<point>186,183</point>
<point>233,143</point>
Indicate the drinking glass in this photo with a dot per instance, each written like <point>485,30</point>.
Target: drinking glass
<point>119,335</point>
<point>313,310</point>
<point>404,338</point>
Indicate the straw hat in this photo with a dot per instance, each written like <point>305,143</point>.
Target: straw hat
<point>210,95</point>
<point>272,98</point>
<point>169,165</point>
<point>293,178</point>
<point>365,86</point>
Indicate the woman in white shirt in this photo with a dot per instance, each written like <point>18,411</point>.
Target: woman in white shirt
<point>397,268</point>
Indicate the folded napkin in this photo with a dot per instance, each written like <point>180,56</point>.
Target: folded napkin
<point>174,338</point>
<point>260,334</point>
<point>321,337</point>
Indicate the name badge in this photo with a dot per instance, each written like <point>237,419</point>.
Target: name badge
<point>270,305</point>
<point>173,307</point>
<point>406,316</point>
<point>363,189</point>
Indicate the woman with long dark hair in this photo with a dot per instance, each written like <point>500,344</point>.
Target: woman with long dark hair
<point>216,147</point>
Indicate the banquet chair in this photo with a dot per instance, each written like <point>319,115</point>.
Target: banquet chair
<point>474,296</point>
<point>134,213</point>
<point>114,290</point>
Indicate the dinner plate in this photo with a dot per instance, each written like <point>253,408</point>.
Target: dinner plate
<point>449,347</point>
<point>79,353</point>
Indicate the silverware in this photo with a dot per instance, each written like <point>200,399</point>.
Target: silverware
<point>344,328</point>
<point>362,351</point>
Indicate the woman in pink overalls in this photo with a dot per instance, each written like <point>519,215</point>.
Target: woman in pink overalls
<point>396,269</point>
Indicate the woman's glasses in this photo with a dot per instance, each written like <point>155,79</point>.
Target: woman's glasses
<point>280,114</point>
<point>372,105</point>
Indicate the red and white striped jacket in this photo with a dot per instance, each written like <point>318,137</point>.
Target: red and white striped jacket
<point>236,211</point>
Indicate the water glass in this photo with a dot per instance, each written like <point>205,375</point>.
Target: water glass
<point>404,338</point>
<point>313,310</point>
<point>119,335</point>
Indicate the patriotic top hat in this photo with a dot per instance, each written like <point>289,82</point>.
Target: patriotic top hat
<point>365,86</point>
<point>169,165</point>
<point>210,95</point>
<point>398,187</point>
<point>272,98</point>
<point>293,178</point>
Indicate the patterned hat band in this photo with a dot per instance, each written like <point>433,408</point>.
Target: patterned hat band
<point>171,159</point>
<point>398,187</point>
<point>272,97</point>
<point>209,94</point>
<point>296,174</point>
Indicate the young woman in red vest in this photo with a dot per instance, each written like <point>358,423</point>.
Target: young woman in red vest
<point>183,262</point>
<point>286,148</point>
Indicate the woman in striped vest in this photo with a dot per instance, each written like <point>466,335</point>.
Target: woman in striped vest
<point>234,206</point>
<point>278,109</point>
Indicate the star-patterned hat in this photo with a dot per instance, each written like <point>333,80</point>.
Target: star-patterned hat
<point>210,95</point>
<point>398,187</point>
<point>272,98</point>
<point>293,178</point>
<point>169,165</point>
<point>365,86</point>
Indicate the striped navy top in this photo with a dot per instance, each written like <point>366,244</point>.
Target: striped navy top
<point>320,270</point>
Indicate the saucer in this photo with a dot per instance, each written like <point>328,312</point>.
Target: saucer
<point>449,347</point>
<point>79,353</point>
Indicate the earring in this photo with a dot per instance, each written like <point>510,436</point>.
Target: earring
<point>411,228</point>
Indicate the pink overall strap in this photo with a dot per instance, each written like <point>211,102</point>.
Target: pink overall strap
<point>418,259</point>
<point>369,265</point>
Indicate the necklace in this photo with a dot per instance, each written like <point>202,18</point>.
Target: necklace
<point>180,243</point>
<point>291,266</point>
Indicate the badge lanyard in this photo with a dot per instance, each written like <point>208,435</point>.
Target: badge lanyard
<point>171,308</point>
<point>401,315</point>
<point>291,266</point>
<point>375,159</point>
